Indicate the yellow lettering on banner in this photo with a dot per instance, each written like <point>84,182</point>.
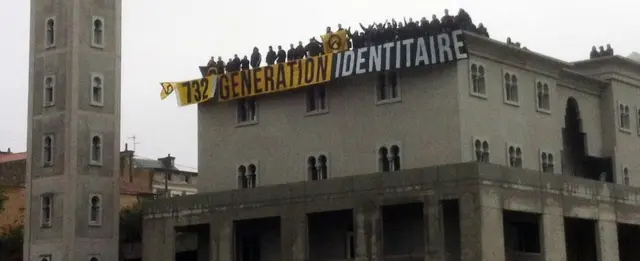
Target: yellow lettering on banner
<point>196,91</point>
<point>335,42</point>
<point>167,89</point>
<point>275,78</point>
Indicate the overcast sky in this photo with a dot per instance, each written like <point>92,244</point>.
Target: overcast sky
<point>166,40</point>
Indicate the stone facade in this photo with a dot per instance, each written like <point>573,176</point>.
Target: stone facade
<point>73,131</point>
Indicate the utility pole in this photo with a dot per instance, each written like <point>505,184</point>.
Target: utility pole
<point>133,138</point>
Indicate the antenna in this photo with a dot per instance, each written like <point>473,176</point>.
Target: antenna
<point>134,142</point>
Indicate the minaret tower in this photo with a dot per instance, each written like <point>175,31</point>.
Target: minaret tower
<point>74,131</point>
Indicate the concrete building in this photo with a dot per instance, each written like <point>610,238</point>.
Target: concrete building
<point>73,131</point>
<point>508,155</point>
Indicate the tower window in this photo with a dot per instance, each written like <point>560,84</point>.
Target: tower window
<point>50,32</point>
<point>511,88</point>
<point>481,150</point>
<point>543,97</point>
<point>94,258</point>
<point>46,202</point>
<point>478,87</point>
<point>316,99</point>
<point>47,150</point>
<point>97,89</point>
<point>97,39</point>
<point>96,150</point>
<point>95,210</point>
<point>387,89</point>
<point>45,258</point>
<point>318,167</point>
<point>247,110</point>
<point>49,90</point>
<point>514,156</point>
<point>389,158</point>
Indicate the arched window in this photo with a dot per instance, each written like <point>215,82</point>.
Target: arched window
<point>539,95</point>
<point>322,167</point>
<point>242,178</point>
<point>49,84</point>
<point>485,151</point>
<point>477,80</point>
<point>507,86</point>
<point>518,157</point>
<point>50,32</point>
<point>515,156</point>
<point>546,97</point>
<point>514,88</point>
<point>96,150</point>
<point>512,156</point>
<point>95,210</point>
<point>47,210</point>
<point>96,90</point>
<point>93,258</point>
<point>252,176</point>
<point>98,32</point>
<point>47,151</point>
<point>394,158</point>
<point>313,170</point>
<point>477,147</point>
<point>383,159</point>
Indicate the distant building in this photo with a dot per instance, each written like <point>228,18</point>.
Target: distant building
<point>635,56</point>
<point>140,178</point>
<point>167,177</point>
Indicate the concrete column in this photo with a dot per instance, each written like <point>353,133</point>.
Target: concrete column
<point>433,229</point>
<point>294,234</point>
<point>368,230</point>
<point>481,230</point>
<point>225,241</point>
<point>158,240</point>
<point>607,240</point>
<point>553,239</point>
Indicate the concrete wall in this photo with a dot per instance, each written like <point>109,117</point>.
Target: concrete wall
<point>14,207</point>
<point>484,191</point>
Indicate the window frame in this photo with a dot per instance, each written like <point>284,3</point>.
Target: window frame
<point>504,89</point>
<point>246,165</point>
<point>43,160</point>
<point>388,145</point>
<point>102,90</point>
<point>48,224</point>
<point>97,222</point>
<point>626,178</point>
<point>315,94</point>
<point>473,149</point>
<point>537,99</point>
<point>548,152</point>
<point>515,146</point>
<point>316,155</point>
<point>46,33</point>
<point>101,158</point>
<point>619,115</point>
<point>51,103</point>
<point>376,96</point>
<point>248,122</point>
<point>93,36</point>
<point>484,95</point>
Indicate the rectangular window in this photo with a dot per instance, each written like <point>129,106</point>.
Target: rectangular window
<point>510,88</point>
<point>624,117</point>
<point>247,110</point>
<point>316,98</point>
<point>387,89</point>
<point>389,158</point>
<point>46,209</point>
<point>543,97</point>
<point>48,95</point>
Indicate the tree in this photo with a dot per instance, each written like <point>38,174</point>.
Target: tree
<point>130,227</point>
<point>3,198</point>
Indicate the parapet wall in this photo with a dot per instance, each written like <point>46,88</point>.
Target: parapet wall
<point>447,181</point>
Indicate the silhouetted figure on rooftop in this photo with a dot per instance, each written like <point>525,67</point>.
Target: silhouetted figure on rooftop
<point>601,52</point>
<point>594,53</point>
<point>244,63</point>
<point>236,63</point>
<point>435,25</point>
<point>291,53</point>
<point>271,56</point>
<point>447,21</point>
<point>463,20</point>
<point>300,52</point>
<point>229,66</point>
<point>483,30</point>
<point>220,65</point>
<point>282,55</point>
<point>509,41</point>
<point>256,58</point>
<point>609,50</point>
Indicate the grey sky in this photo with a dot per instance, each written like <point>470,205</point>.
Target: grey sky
<point>165,40</point>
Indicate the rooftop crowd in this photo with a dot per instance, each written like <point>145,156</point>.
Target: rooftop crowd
<point>374,34</point>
